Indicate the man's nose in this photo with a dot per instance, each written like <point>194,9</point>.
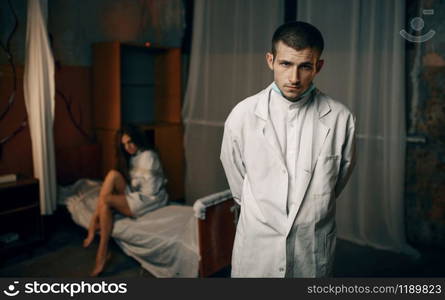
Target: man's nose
<point>294,76</point>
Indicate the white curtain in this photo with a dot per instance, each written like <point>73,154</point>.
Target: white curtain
<point>38,86</point>
<point>364,68</point>
<point>230,40</point>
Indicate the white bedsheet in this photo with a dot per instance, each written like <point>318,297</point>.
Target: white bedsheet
<point>164,241</point>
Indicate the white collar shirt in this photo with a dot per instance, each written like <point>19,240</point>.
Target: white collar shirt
<point>288,119</point>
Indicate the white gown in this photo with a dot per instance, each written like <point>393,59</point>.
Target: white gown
<point>147,190</point>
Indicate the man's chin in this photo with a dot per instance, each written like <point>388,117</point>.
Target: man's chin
<point>292,96</point>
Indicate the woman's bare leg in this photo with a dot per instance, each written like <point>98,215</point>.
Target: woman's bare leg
<point>113,183</point>
<point>106,225</point>
<point>109,202</point>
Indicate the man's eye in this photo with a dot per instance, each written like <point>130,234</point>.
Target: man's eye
<point>307,67</point>
<point>285,64</point>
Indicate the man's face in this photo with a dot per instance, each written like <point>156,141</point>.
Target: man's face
<point>293,69</point>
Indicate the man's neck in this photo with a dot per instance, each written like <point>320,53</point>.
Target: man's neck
<point>305,93</point>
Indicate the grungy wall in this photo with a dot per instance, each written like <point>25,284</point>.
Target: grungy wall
<point>74,25</point>
<point>425,162</point>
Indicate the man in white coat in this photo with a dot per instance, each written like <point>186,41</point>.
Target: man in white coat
<point>288,152</point>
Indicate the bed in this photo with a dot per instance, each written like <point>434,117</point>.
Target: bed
<point>172,241</point>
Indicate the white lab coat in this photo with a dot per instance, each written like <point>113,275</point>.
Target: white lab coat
<point>270,242</point>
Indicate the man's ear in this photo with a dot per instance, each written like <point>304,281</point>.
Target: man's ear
<point>269,59</point>
<point>319,65</point>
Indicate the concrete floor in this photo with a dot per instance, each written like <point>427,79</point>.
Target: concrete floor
<point>61,255</point>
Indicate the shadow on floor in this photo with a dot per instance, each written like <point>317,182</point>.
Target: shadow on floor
<point>353,260</point>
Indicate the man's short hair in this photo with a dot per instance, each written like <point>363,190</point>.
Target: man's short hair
<point>298,35</point>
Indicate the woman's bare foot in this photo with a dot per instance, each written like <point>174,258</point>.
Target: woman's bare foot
<point>88,240</point>
<point>91,231</point>
<point>100,265</point>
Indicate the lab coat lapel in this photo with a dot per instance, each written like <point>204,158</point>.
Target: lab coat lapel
<point>312,140</point>
<point>266,128</point>
<point>266,131</point>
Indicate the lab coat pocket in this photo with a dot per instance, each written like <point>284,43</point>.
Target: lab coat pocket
<point>250,203</point>
<point>325,174</point>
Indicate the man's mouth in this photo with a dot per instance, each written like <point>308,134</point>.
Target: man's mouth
<point>293,87</point>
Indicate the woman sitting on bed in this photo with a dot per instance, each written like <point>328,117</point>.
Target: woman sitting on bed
<point>135,188</point>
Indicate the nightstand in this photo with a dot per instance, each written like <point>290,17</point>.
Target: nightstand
<point>20,220</point>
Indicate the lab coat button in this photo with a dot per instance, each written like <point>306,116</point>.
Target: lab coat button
<point>284,171</point>
<point>281,269</point>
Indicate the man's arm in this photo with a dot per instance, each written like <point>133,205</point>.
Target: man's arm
<point>233,164</point>
<point>348,161</point>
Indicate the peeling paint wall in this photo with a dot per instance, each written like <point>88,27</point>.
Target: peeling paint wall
<point>75,25</point>
<point>7,24</point>
<point>425,162</point>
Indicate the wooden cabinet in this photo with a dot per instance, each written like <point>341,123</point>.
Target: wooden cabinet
<point>133,84</point>
<point>20,219</point>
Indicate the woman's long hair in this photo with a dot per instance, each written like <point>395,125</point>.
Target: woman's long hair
<point>123,157</point>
